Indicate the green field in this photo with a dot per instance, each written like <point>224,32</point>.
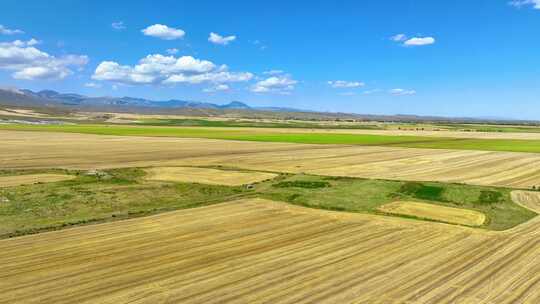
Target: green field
<point>124,193</point>
<point>510,145</point>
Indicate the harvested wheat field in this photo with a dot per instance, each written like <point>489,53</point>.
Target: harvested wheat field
<point>80,151</point>
<point>258,251</point>
<point>435,212</point>
<point>28,179</point>
<point>206,176</point>
<point>527,199</point>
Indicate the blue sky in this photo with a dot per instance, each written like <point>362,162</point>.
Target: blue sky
<point>453,58</point>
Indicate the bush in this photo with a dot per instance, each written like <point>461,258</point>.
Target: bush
<point>421,191</point>
<point>488,197</point>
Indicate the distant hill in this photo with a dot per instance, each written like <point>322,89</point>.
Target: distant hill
<point>53,98</point>
<point>52,101</point>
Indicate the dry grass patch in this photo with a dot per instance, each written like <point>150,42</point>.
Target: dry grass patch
<point>435,212</point>
<point>28,179</point>
<point>207,176</point>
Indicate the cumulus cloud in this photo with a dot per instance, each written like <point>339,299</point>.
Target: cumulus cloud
<point>160,69</point>
<point>20,43</point>
<point>399,37</point>
<point>172,51</point>
<point>520,3</point>
<point>28,62</point>
<point>402,92</point>
<point>345,84</point>
<point>281,84</point>
<point>118,25</point>
<point>418,41</point>
<point>6,31</point>
<point>218,39</point>
<point>217,88</point>
<point>163,32</point>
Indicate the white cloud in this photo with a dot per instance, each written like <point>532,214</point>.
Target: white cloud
<point>520,3</point>
<point>118,25</point>
<point>160,69</point>
<point>399,37</point>
<point>217,88</point>
<point>218,39</point>
<point>92,85</point>
<point>282,84</point>
<point>345,84</point>
<point>163,32</point>
<point>28,62</point>
<point>418,41</point>
<point>20,43</point>
<point>402,92</point>
<point>273,72</point>
<point>172,51</point>
<point>6,31</point>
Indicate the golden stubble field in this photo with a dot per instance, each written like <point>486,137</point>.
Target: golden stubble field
<point>258,251</point>
<point>435,212</point>
<point>52,150</point>
<point>206,176</point>
<point>527,199</point>
<point>28,179</point>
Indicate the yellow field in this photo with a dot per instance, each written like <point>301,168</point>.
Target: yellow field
<point>27,179</point>
<point>206,176</point>
<point>435,212</point>
<point>53,150</point>
<point>256,251</point>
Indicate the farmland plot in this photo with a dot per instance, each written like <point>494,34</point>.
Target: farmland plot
<point>27,179</point>
<point>80,151</point>
<point>207,176</point>
<point>435,212</point>
<point>258,251</point>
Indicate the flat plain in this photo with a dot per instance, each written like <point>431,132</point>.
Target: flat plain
<point>393,138</point>
<point>238,248</point>
<point>259,251</point>
<point>83,151</point>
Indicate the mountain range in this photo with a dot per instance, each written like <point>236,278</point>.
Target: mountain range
<point>49,98</point>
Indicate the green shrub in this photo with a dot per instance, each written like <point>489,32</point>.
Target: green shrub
<point>422,191</point>
<point>488,197</point>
